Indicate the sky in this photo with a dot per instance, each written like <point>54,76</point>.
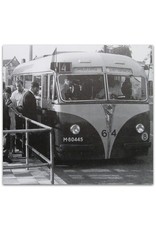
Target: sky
<point>139,52</point>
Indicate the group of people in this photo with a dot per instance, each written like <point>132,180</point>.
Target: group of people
<point>21,101</point>
<point>80,88</point>
<point>93,88</point>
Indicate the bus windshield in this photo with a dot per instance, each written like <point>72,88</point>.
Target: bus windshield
<point>126,87</point>
<point>82,87</point>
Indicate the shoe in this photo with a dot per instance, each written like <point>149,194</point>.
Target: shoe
<point>7,159</point>
<point>23,154</point>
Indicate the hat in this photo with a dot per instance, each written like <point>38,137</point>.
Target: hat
<point>34,84</point>
<point>7,90</point>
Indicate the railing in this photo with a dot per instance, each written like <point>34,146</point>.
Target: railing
<point>43,128</point>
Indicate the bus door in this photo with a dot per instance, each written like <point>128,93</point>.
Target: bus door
<point>125,94</point>
<point>37,78</point>
<point>47,90</point>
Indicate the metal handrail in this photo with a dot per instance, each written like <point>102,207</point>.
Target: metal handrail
<point>44,128</point>
<point>24,130</point>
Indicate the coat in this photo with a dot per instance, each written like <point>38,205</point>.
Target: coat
<point>29,106</point>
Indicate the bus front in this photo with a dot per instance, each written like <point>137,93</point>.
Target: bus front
<point>80,114</point>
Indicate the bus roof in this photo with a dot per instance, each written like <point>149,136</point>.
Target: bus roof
<point>80,59</point>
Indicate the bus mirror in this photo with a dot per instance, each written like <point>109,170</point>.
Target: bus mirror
<point>150,88</point>
<point>54,66</point>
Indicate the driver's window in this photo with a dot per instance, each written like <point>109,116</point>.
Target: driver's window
<point>126,87</point>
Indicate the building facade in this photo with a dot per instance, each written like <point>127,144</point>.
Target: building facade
<point>8,67</point>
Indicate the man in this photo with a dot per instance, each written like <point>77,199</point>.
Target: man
<point>29,110</point>
<point>67,89</point>
<point>17,95</point>
<point>29,107</point>
<point>127,88</point>
<point>16,99</point>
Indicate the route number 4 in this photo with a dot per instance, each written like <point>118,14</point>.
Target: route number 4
<point>105,133</point>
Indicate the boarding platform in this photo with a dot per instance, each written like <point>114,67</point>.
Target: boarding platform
<point>21,170</point>
<point>31,176</point>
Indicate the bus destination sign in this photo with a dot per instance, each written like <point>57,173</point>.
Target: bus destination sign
<point>87,69</point>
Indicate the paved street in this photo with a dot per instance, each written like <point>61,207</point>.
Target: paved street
<point>136,171</point>
<point>33,176</point>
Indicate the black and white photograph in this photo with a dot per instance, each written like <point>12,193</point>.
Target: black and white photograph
<point>77,114</point>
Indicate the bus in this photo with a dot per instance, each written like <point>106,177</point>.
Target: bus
<point>97,104</point>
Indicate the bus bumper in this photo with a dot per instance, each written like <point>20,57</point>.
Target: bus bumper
<point>88,151</point>
<point>139,146</point>
<point>137,149</point>
<point>78,148</point>
<point>130,150</point>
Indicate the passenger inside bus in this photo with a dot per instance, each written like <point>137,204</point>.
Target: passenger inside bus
<point>87,89</point>
<point>67,89</point>
<point>127,88</point>
<point>81,87</point>
<point>76,90</point>
<point>114,86</point>
<point>98,92</point>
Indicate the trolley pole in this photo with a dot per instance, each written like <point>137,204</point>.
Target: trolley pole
<point>51,157</point>
<point>26,142</point>
<point>30,52</point>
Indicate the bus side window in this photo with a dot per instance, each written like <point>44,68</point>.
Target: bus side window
<point>139,89</point>
<point>52,89</point>
<point>37,78</point>
<point>27,79</point>
<point>45,86</point>
<point>51,86</point>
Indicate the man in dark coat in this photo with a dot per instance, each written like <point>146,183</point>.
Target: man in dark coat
<point>29,110</point>
<point>29,102</point>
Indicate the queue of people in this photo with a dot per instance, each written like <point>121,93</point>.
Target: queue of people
<point>20,101</point>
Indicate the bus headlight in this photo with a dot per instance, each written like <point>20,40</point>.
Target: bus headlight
<point>144,136</point>
<point>75,129</point>
<point>140,128</point>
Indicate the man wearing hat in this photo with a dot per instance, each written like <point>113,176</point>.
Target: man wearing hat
<point>30,111</point>
<point>29,102</point>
